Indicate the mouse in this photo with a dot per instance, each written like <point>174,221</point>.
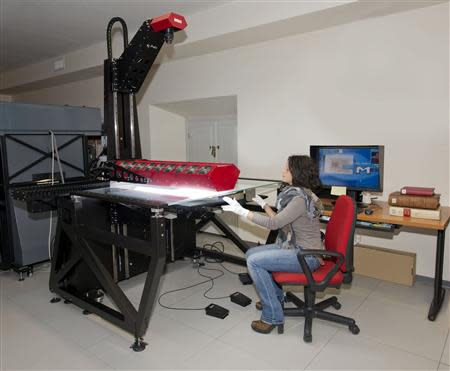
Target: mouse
<point>368,211</point>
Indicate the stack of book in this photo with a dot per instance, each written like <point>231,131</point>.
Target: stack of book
<point>415,202</point>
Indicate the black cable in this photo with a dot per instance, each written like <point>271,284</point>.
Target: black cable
<point>108,35</point>
<point>210,279</point>
<point>212,282</point>
<point>217,246</point>
<point>220,247</point>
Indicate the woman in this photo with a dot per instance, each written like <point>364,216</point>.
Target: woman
<point>299,228</point>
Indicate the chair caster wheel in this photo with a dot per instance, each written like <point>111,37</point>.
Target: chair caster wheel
<point>354,329</point>
<point>337,305</point>
<point>307,338</point>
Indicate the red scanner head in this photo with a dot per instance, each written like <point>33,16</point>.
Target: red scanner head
<point>168,23</point>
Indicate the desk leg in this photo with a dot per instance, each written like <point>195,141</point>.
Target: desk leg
<point>439,292</point>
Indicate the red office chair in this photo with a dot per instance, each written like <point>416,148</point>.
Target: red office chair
<point>338,268</point>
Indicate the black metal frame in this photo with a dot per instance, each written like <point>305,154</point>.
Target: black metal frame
<point>84,240</point>
<point>7,227</point>
<point>439,292</point>
<point>228,232</point>
<point>48,154</point>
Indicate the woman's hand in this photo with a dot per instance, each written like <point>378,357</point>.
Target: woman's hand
<point>259,201</point>
<point>234,207</point>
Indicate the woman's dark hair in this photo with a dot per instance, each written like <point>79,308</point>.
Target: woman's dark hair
<point>304,172</point>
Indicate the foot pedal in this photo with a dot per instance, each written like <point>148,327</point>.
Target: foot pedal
<point>245,278</point>
<point>215,310</point>
<point>240,299</point>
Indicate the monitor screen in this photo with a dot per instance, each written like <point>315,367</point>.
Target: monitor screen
<point>358,168</point>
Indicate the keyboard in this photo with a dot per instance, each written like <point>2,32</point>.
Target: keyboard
<point>387,227</point>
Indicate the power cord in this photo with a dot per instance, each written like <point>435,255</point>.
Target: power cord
<point>220,247</point>
<point>215,246</point>
<point>212,282</point>
<point>210,279</point>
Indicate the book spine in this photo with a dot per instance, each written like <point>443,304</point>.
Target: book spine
<point>416,192</point>
<point>418,202</point>
<point>415,213</point>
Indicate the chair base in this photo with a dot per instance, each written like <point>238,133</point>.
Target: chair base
<point>309,309</point>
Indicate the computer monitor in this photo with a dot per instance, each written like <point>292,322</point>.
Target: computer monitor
<point>358,168</point>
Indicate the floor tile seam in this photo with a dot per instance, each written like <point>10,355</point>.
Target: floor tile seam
<point>91,355</point>
<point>230,329</point>
<point>111,364</point>
<point>414,306</point>
<point>74,345</point>
<point>48,323</point>
<point>322,348</point>
<point>255,354</point>
<point>443,348</point>
<point>398,303</point>
<point>198,351</point>
<point>359,306</point>
<point>381,342</point>
<point>251,353</point>
<point>210,337</point>
<point>190,326</point>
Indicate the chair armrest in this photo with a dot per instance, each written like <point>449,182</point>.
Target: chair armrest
<point>319,286</point>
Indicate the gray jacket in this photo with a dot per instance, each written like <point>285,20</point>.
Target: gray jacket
<point>294,219</point>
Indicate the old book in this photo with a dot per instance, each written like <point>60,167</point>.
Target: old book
<point>415,213</point>
<point>418,191</point>
<point>419,202</point>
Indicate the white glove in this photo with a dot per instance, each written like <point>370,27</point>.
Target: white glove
<point>259,201</point>
<point>234,207</point>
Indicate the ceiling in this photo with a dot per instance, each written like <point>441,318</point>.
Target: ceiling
<point>68,25</point>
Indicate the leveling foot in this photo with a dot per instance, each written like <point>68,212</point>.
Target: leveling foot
<point>139,345</point>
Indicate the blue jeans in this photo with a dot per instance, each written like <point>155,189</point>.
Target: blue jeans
<point>261,262</point>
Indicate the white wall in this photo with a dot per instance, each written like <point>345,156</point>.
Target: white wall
<point>167,136</point>
<point>81,93</point>
<point>377,81</point>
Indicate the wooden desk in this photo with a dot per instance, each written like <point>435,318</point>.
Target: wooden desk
<point>381,215</point>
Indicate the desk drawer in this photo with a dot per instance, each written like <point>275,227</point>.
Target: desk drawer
<point>385,264</point>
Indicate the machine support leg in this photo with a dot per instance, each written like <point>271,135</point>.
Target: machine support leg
<point>439,292</point>
<point>230,233</point>
<point>158,242</point>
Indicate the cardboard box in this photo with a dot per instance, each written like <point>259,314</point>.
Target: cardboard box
<point>385,264</point>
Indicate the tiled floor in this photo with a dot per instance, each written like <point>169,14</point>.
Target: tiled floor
<point>395,332</point>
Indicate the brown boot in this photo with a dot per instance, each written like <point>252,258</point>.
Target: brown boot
<point>266,328</point>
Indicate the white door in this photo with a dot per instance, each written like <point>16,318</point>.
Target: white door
<point>200,135</point>
<point>226,141</point>
<point>212,140</point>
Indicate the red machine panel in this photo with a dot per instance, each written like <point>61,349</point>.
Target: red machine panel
<point>169,20</point>
<point>210,175</point>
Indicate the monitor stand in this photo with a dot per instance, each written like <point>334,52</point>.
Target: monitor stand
<point>356,195</point>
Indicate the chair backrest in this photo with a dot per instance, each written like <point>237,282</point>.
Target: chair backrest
<point>340,232</point>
